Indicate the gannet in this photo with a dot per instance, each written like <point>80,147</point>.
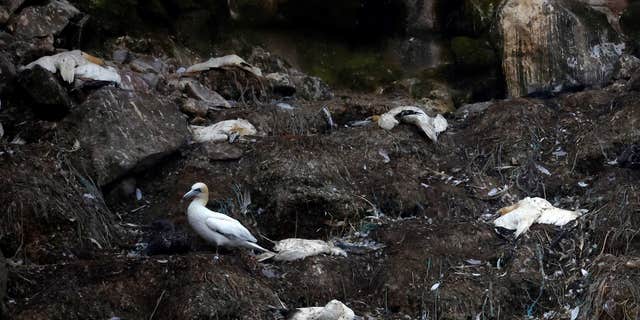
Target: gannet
<point>522,215</point>
<point>215,227</point>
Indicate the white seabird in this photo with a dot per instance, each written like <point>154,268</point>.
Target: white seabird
<point>215,227</point>
<point>522,215</point>
<point>334,310</point>
<point>75,63</point>
<point>431,126</point>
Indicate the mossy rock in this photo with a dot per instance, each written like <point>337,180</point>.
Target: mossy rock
<point>472,54</point>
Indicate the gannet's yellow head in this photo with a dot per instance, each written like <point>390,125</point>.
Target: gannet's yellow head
<point>199,192</point>
<point>508,209</point>
<point>375,118</point>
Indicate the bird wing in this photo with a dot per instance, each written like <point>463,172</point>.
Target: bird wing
<point>230,228</point>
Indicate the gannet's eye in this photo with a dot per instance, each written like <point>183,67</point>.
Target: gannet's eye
<point>197,190</point>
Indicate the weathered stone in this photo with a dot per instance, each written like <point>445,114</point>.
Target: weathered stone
<point>121,131</point>
<point>7,71</point>
<point>132,81</point>
<point>210,97</point>
<point>554,45</point>
<point>41,21</point>
<point>309,87</point>
<point>629,66</point>
<point>46,91</point>
<point>195,108</point>
<point>7,8</point>
<point>121,56</point>
<point>147,64</point>
<point>281,84</point>
<point>221,151</point>
<point>152,79</point>
<point>25,51</point>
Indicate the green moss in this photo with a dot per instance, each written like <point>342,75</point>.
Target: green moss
<point>472,54</point>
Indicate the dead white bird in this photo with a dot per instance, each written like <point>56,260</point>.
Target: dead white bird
<point>334,310</point>
<point>225,62</point>
<point>522,215</point>
<point>223,130</point>
<point>77,63</point>
<point>431,126</point>
<point>215,227</point>
<point>296,249</point>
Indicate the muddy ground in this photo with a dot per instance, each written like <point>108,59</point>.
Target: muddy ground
<point>429,206</point>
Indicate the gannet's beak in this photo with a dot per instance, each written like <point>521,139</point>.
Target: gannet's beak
<point>190,194</point>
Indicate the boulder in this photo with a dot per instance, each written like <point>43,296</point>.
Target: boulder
<point>42,21</point>
<point>7,8</point>
<point>549,46</point>
<point>221,151</point>
<point>121,131</point>
<point>48,93</point>
<point>211,98</point>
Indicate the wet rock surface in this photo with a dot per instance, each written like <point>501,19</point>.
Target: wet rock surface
<point>93,225</point>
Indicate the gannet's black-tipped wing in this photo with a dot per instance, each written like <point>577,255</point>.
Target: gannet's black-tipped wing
<point>230,228</point>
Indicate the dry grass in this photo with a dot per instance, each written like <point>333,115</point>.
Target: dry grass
<point>42,195</point>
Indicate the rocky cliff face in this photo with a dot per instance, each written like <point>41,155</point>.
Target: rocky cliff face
<point>98,145</point>
<point>551,46</point>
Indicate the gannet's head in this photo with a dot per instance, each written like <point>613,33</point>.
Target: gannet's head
<point>199,192</point>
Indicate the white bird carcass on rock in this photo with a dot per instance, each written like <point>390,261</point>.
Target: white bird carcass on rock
<point>431,126</point>
<point>334,310</point>
<point>296,249</point>
<point>215,227</point>
<point>75,63</point>
<point>522,215</point>
<point>223,130</point>
<point>226,62</point>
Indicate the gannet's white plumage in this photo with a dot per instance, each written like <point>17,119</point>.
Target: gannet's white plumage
<point>522,215</point>
<point>215,227</point>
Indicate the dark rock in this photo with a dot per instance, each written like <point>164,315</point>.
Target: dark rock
<point>281,84</point>
<point>634,83</point>
<point>629,66</point>
<point>25,51</point>
<point>7,8</point>
<point>221,151</point>
<point>121,56</point>
<point>41,21</point>
<point>210,97</point>
<point>121,131</point>
<point>132,81</point>
<point>48,93</point>
<point>152,79</point>
<point>473,109</point>
<point>309,87</point>
<point>147,64</point>
<point>195,108</point>
<point>7,71</point>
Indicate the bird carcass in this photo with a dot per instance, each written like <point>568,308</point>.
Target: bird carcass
<point>522,215</point>
<point>431,126</point>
